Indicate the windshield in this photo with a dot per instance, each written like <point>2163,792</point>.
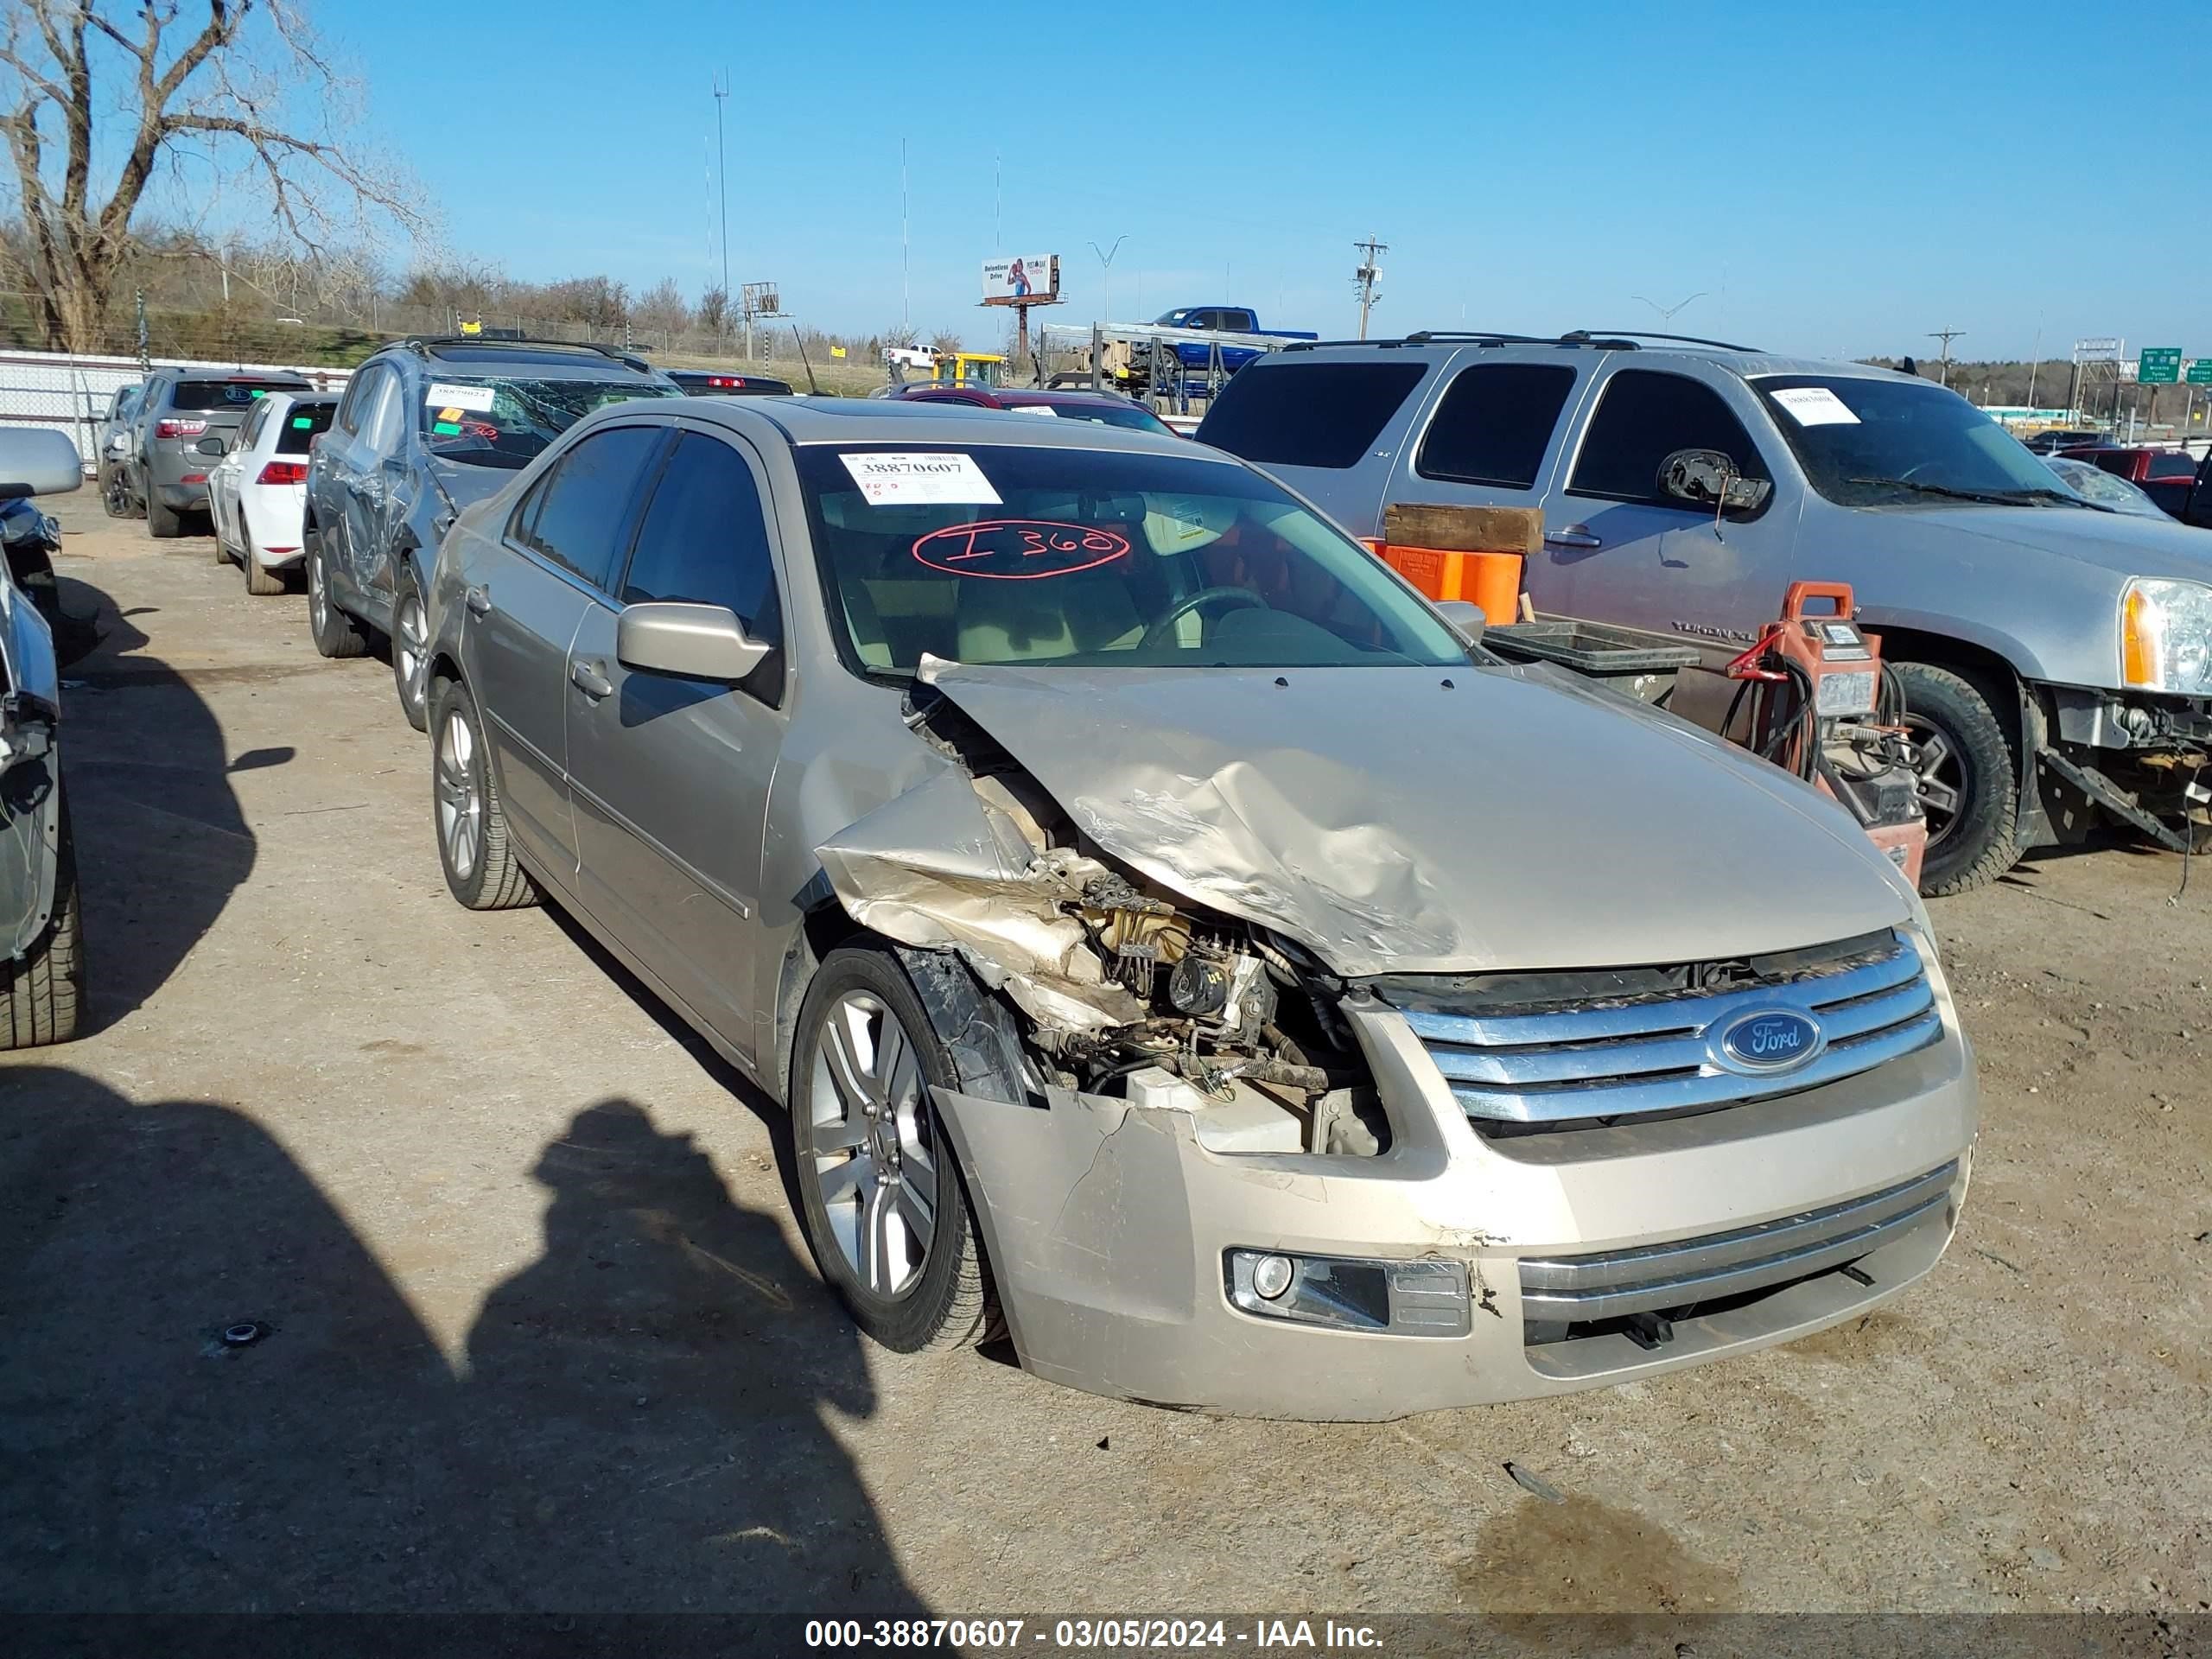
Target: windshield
<point>1134,417</point>
<point>2099,486</point>
<point>1885,443</point>
<point>992,553</point>
<point>495,421</point>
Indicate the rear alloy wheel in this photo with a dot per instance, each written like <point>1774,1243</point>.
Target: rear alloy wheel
<point>884,1209</point>
<point>480,867</point>
<point>261,583</point>
<point>42,996</point>
<point>1969,784</point>
<point>163,522</point>
<point>410,646</point>
<point>115,496</point>
<point>335,633</point>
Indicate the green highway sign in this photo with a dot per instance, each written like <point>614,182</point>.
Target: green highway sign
<point>2200,372</point>
<point>2160,365</point>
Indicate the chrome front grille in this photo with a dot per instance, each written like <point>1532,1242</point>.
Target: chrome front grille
<point>1654,1277</point>
<point>1655,1053</point>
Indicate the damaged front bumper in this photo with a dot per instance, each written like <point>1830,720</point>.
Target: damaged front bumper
<point>1122,1245</point>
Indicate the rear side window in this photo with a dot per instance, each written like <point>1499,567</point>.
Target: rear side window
<point>302,422</point>
<point>584,507</point>
<point>2173,464</point>
<point>1644,415</point>
<point>1308,414</point>
<point>360,392</point>
<point>226,394</point>
<point>1495,422</point>
<point>704,540</point>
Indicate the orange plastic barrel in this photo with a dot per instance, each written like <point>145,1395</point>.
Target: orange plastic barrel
<point>1491,581</point>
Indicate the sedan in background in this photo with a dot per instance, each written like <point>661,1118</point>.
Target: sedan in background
<point>258,494</point>
<point>717,383</point>
<point>2100,488</point>
<point>1105,408</point>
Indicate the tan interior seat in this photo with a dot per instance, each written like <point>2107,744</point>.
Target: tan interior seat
<point>1056,616</point>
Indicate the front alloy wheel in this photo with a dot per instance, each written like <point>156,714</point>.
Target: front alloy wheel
<point>460,797</point>
<point>881,1195</point>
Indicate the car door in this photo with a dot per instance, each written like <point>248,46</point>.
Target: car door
<point>374,480</point>
<point>525,593</point>
<point>1618,549</point>
<point>2168,477</point>
<point>227,477</point>
<point>348,458</point>
<point>1489,436</point>
<point>668,778</point>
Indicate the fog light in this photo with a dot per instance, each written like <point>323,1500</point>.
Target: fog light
<point>1271,1276</point>
<point>1424,1297</point>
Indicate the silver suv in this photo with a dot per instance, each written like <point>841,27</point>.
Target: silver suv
<point>2057,656</point>
<point>1166,930</point>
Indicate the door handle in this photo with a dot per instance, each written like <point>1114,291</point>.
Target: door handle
<point>478,600</point>
<point>1572,535</point>
<point>588,679</point>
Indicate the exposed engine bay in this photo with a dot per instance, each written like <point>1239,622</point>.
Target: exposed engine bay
<point>1125,989</point>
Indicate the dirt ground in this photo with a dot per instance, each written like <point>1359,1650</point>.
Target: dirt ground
<point>543,1336</point>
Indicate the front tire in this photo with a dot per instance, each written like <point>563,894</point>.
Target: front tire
<point>1970,782</point>
<point>410,645</point>
<point>335,633</point>
<point>479,859</point>
<point>43,997</point>
<point>886,1211</point>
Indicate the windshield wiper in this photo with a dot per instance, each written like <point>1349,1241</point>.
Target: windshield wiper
<point>1991,497</point>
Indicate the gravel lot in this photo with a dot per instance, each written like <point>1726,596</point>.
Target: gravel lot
<point>544,1336</point>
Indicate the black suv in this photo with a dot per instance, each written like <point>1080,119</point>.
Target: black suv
<point>426,427</point>
<point>183,425</point>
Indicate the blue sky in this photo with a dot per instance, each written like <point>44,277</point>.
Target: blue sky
<point>1836,179</point>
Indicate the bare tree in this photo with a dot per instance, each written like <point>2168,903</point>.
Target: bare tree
<point>662,307</point>
<point>714,310</point>
<point>243,79</point>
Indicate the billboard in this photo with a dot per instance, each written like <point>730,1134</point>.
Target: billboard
<point>1028,279</point>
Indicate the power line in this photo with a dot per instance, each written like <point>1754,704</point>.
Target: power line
<point>1367,276</point>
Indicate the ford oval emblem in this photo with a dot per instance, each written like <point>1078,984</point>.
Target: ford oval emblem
<point>1769,1040</point>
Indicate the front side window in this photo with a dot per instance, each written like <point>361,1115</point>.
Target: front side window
<point>1495,422</point>
<point>1006,554</point>
<point>704,541</point>
<point>1644,415</point>
<point>1308,414</point>
<point>1888,443</point>
<point>505,420</point>
<point>583,507</point>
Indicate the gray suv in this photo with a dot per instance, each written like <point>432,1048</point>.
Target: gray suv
<point>183,424</point>
<point>1049,815</point>
<point>2056,657</point>
<point>426,427</point>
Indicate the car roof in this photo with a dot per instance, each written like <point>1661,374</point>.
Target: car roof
<point>891,420</point>
<point>540,360</point>
<point>1655,351</point>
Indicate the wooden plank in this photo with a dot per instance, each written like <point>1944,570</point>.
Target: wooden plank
<point>1465,530</point>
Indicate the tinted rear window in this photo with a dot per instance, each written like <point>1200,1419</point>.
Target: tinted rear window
<point>300,425</point>
<point>2173,465</point>
<point>1308,414</point>
<point>226,394</point>
<point>1495,424</point>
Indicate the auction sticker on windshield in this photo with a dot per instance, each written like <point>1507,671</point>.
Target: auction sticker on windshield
<point>443,396</point>
<point>921,479</point>
<point>1815,406</point>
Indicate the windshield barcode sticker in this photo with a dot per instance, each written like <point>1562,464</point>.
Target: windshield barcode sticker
<point>442,395</point>
<point>1815,406</point>
<point>923,479</point>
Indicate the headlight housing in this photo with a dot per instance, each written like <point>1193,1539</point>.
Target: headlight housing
<point>2165,636</point>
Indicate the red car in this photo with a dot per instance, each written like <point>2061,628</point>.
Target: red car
<point>1107,408</point>
<point>2166,476</point>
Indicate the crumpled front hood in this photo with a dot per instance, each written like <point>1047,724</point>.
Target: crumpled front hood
<point>1426,821</point>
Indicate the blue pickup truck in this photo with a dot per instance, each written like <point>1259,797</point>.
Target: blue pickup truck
<point>1220,319</point>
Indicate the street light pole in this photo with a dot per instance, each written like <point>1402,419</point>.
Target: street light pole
<point>1106,265</point>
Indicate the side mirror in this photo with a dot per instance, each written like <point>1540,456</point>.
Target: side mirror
<point>1706,478</point>
<point>1465,617</point>
<point>38,462</point>
<point>698,642</point>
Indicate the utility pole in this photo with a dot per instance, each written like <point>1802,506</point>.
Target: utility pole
<point>1947,335</point>
<point>721,179</point>
<point>906,288</point>
<point>1367,276</point>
